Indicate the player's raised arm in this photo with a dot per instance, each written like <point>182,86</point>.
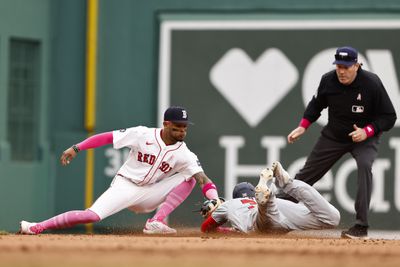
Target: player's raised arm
<point>91,142</point>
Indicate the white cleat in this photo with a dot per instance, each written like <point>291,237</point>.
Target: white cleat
<point>264,187</point>
<point>281,175</point>
<point>25,228</point>
<point>154,227</point>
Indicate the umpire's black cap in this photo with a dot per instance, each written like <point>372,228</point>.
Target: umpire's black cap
<point>243,189</point>
<point>346,55</point>
<point>177,114</point>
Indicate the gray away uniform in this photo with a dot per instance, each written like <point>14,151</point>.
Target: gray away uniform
<point>312,212</point>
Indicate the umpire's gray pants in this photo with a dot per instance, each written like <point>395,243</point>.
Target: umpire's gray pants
<point>326,152</point>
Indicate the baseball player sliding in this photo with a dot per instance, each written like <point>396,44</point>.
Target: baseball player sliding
<point>160,171</point>
<point>259,210</point>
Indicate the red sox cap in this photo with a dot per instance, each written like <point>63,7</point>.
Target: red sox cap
<point>176,114</point>
<point>346,56</point>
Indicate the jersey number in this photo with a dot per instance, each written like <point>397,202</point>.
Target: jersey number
<point>251,203</point>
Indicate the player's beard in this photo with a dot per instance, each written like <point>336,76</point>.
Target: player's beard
<point>180,137</point>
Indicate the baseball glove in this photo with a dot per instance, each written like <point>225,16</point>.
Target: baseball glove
<point>209,206</point>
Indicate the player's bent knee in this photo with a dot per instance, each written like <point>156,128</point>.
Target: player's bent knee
<point>335,218</point>
<point>92,216</point>
<point>332,219</point>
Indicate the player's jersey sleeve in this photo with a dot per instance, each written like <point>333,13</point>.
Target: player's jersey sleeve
<point>317,103</point>
<point>220,215</point>
<point>190,164</point>
<point>127,137</point>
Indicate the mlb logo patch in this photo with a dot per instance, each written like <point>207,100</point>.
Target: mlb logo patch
<point>357,109</point>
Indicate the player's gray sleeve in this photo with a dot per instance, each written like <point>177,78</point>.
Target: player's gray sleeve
<point>220,215</point>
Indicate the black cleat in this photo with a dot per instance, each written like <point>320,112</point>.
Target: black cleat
<point>356,232</point>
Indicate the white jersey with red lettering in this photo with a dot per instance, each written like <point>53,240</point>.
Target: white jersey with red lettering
<point>150,172</point>
<point>150,159</point>
<point>240,212</point>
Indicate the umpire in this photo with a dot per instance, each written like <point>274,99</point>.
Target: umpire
<point>359,111</point>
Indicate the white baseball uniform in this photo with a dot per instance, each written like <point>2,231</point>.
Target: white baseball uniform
<point>151,171</point>
<point>312,212</point>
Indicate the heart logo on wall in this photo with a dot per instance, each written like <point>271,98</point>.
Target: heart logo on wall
<point>254,88</point>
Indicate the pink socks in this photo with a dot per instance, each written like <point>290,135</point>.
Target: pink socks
<point>67,219</point>
<point>74,217</point>
<point>174,199</point>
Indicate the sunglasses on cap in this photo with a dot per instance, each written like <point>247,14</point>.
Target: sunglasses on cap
<point>345,57</point>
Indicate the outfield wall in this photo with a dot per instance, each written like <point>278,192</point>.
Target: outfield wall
<point>155,53</point>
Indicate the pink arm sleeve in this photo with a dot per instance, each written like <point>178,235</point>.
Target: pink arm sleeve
<point>96,141</point>
<point>210,191</point>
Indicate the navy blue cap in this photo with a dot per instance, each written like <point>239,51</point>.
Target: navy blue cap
<point>243,189</point>
<point>177,114</point>
<point>346,55</point>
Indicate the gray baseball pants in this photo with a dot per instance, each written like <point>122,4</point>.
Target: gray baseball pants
<point>312,212</point>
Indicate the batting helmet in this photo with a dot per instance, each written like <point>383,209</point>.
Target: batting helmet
<point>243,189</point>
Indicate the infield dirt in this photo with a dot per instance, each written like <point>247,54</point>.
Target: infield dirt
<point>190,248</point>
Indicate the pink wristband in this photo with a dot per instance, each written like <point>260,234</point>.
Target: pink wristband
<point>210,191</point>
<point>369,130</point>
<point>305,123</point>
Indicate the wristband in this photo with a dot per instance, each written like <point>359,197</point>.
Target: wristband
<point>210,191</point>
<point>304,123</point>
<point>369,130</point>
<point>75,148</point>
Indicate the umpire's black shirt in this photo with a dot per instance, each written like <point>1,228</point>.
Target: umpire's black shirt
<point>363,102</point>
